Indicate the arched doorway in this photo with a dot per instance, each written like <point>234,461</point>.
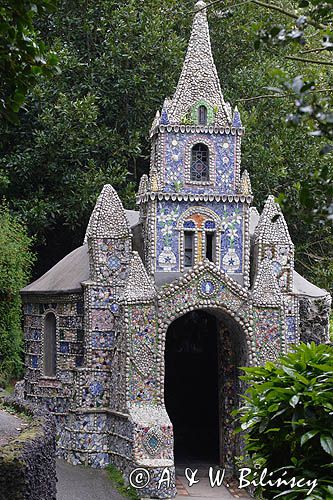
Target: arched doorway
<point>203,352</point>
<point>192,387</point>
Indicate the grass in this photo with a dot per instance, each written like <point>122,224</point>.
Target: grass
<point>13,411</point>
<point>117,479</point>
<point>9,389</point>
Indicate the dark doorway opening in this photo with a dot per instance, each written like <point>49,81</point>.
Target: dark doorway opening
<point>192,387</point>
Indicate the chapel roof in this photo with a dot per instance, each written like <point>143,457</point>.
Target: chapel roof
<point>68,274</point>
<point>272,226</point>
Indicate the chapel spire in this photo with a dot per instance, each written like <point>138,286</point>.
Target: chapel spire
<point>108,219</point>
<point>199,82</point>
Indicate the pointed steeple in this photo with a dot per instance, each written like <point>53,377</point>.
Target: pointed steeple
<point>272,242</point>
<point>108,219</point>
<point>236,119</point>
<point>272,227</point>
<point>156,122</point>
<point>153,179</point>
<point>199,81</point>
<point>245,184</point>
<point>143,185</point>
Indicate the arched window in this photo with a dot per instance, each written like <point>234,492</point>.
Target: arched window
<point>202,115</point>
<point>50,345</point>
<point>200,163</point>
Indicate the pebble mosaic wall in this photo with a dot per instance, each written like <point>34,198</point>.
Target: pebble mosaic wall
<point>55,393</point>
<point>224,220</point>
<point>314,319</point>
<point>223,173</point>
<point>143,344</point>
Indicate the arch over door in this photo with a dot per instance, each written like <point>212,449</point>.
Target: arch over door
<point>50,345</point>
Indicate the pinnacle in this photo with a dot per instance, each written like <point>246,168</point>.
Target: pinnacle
<point>199,80</point>
<point>108,219</point>
<point>200,5</point>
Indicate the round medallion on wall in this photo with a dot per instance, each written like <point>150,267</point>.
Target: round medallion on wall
<point>113,262</point>
<point>207,288</point>
<point>114,308</point>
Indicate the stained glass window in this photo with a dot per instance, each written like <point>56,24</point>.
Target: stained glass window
<point>200,163</point>
<point>202,115</point>
<point>189,224</point>
<point>209,224</point>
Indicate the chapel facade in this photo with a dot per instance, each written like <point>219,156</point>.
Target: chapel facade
<point>135,339</point>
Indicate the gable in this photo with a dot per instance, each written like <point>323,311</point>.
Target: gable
<point>204,287</point>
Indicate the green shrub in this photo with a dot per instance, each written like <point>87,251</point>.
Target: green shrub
<point>288,422</point>
<point>117,479</point>
<point>15,263</point>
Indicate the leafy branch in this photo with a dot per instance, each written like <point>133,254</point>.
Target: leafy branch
<point>280,96</point>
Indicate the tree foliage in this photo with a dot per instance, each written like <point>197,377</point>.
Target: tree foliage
<point>287,418</point>
<point>311,31</point>
<point>23,55</point>
<point>305,28</point>
<point>15,262</point>
<point>89,125</point>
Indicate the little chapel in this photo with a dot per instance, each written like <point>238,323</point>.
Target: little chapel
<point>134,340</point>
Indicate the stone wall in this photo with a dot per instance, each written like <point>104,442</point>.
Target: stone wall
<point>314,319</point>
<point>56,393</point>
<point>27,462</point>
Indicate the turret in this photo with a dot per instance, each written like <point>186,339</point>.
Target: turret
<point>272,241</point>
<point>109,238</point>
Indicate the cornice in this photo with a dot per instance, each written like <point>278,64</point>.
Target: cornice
<point>160,196</point>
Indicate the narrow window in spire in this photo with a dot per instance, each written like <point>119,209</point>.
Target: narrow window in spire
<point>200,163</point>
<point>202,115</point>
<point>188,248</point>
<point>50,345</point>
<point>210,246</point>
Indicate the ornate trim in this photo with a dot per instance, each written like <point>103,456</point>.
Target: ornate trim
<point>149,196</point>
<point>198,129</point>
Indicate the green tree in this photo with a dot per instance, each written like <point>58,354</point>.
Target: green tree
<point>90,124</point>
<point>305,28</point>
<point>282,160</point>
<point>16,260</point>
<point>287,420</point>
<point>23,55</point>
